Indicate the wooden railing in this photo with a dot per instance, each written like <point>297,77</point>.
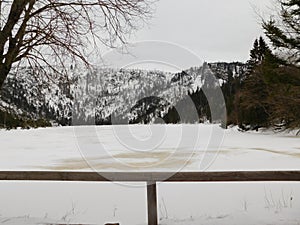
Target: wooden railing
<point>151,179</point>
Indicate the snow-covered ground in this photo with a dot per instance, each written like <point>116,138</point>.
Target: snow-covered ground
<point>149,148</point>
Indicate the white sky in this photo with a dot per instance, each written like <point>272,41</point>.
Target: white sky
<point>216,30</point>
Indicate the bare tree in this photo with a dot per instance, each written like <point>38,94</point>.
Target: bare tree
<point>47,32</point>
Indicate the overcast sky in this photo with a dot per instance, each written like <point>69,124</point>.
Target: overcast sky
<point>216,30</point>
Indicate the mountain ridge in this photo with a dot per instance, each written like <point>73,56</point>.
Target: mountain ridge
<point>103,94</point>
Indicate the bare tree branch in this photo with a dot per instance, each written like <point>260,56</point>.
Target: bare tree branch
<point>47,32</point>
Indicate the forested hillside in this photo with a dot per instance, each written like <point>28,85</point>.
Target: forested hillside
<point>137,96</point>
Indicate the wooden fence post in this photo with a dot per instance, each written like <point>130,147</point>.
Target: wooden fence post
<point>152,204</point>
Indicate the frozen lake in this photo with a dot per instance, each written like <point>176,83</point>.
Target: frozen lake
<point>147,148</point>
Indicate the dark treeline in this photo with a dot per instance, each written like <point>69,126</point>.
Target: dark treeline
<point>268,95</point>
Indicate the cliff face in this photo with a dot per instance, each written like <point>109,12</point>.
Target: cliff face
<point>105,96</point>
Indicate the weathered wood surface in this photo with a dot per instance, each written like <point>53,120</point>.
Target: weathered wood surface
<point>152,204</point>
<point>228,176</point>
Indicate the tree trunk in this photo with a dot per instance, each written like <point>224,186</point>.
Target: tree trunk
<point>4,71</point>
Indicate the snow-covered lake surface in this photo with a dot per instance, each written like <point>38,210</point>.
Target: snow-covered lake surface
<point>149,148</point>
<point>157,148</point>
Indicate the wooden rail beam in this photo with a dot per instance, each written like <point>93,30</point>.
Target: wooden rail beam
<point>228,176</point>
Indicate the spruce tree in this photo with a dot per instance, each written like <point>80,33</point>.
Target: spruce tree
<point>252,99</point>
<point>284,32</point>
<point>259,52</point>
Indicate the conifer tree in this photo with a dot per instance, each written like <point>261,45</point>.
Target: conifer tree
<point>284,32</point>
<point>252,100</point>
<point>259,52</point>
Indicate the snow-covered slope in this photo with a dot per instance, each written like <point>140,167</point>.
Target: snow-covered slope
<point>133,95</point>
<point>38,94</point>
